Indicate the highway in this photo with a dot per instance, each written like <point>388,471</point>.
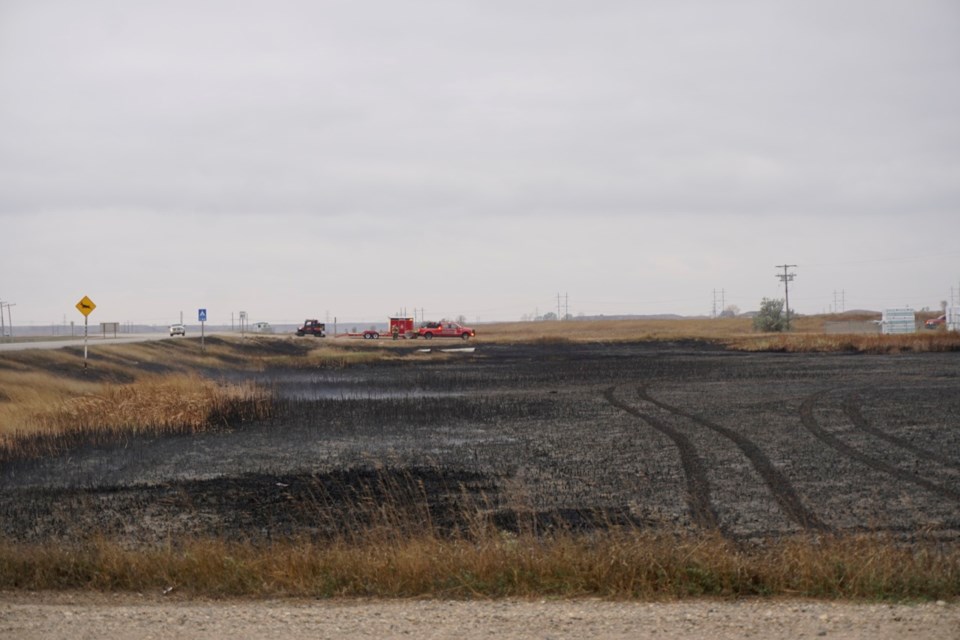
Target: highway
<point>60,343</point>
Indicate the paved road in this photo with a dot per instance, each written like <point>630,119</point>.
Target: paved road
<point>60,343</point>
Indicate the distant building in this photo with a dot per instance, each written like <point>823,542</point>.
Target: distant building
<point>953,318</point>
<point>898,321</point>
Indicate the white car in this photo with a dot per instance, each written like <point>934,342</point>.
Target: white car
<point>178,330</point>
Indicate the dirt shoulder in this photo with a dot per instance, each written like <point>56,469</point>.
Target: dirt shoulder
<point>28,616</point>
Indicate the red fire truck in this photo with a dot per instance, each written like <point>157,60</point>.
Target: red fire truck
<point>404,328</point>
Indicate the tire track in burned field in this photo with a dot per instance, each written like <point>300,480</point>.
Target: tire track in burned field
<point>779,486</point>
<point>702,511</point>
<point>851,409</point>
<point>809,422</point>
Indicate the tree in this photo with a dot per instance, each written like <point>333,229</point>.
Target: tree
<point>732,311</point>
<point>770,317</point>
<point>550,315</point>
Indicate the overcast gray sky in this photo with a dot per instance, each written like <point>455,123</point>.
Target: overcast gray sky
<point>294,158</point>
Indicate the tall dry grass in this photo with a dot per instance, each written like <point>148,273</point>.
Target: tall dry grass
<point>940,341</point>
<point>24,394</point>
<point>614,330</point>
<point>615,564</point>
<point>734,333</point>
<point>49,417</point>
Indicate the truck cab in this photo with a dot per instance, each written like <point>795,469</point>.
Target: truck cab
<point>313,328</point>
<point>445,329</point>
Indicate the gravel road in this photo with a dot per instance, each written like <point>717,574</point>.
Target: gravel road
<point>28,616</point>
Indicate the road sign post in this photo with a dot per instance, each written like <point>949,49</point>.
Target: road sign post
<point>86,307</point>
<point>202,317</point>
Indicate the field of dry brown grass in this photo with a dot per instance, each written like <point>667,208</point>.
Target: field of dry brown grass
<point>808,335</point>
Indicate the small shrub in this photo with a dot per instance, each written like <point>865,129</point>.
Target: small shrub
<point>770,318</point>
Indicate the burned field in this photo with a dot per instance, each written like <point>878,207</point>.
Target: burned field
<point>662,436</point>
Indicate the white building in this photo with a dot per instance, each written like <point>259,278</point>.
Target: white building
<point>896,321</point>
<point>953,318</point>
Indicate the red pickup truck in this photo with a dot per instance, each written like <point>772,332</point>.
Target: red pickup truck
<point>445,329</point>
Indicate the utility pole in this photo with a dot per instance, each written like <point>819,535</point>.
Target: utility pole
<point>786,278</point>
<point>566,306</point>
<point>714,313</point>
<point>558,305</point>
<point>9,323</point>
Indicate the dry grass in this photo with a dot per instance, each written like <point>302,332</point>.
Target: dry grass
<point>619,564</point>
<point>57,418</point>
<point>29,393</point>
<point>155,403</point>
<point>614,330</point>
<point>817,342</point>
<point>339,356</point>
<point>733,333</point>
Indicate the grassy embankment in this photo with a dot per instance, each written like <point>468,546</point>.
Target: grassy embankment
<point>47,404</point>
<point>49,400</point>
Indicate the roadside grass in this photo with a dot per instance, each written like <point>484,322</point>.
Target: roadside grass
<point>614,564</point>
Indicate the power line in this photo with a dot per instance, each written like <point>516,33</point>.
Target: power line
<point>880,260</point>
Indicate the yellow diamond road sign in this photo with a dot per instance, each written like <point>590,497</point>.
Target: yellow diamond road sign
<point>85,306</point>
